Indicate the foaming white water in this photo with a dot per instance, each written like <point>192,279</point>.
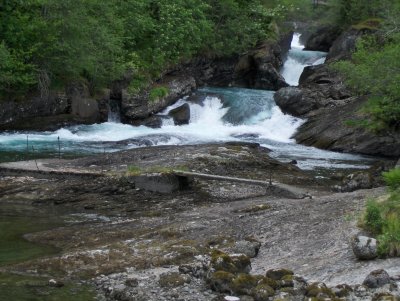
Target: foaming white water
<point>298,59</point>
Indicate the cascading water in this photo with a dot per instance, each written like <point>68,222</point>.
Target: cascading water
<point>223,114</point>
<point>298,59</point>
<point>114,114</point>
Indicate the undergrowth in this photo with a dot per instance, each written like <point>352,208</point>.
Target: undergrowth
<point>382,217</point>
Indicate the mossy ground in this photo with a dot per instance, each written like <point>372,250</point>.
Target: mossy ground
<point>28,288</point>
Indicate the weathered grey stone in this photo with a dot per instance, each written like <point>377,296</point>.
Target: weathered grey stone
<point>365,248</point>
<point>181,114</point>
<point>290,100</point>
<point>377,279</point>
<point>248,248</point>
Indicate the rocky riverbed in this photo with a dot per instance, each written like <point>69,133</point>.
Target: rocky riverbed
<point>133,244</point>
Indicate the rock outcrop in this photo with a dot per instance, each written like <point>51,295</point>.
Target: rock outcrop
<point>322,39</point>
<point>331,110</point>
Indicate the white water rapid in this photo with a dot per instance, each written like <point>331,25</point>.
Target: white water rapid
<point>298,59</point>
<point>217,115</point>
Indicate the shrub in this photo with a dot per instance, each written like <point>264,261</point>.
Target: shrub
<point>392,178</point>
<point>389,241</point>
<point>158,92</point>
<point>373,220</point>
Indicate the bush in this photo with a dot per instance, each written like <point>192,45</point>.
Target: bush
<point>373,221</point>
<point>389,241</point>
<point>392,178</point>
<point>158,92</point>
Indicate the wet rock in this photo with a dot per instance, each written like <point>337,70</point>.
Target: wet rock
<point>364,248</point>
<point>377,279</point>
<point>181,115</point>
<point>278,274</point>
<point>248,248</point>
<point>268,78</point>
<point>154,122</point>
<point>322,39</point>
<point>290,100</point>
<point>173,279</point>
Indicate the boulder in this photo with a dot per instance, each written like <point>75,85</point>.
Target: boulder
<point>153,121</point>
<point>364,248</point>
<point>290,100</point>
<point>181,115</point>
<point>322,39</point>
<point>398,164</point>
<point>248,248</point>
<point>268,78</point>
<point>139,106</point>
<point>377,278</point>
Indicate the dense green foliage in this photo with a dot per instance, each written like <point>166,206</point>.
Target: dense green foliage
<point>375,66</point>
<point>50,43</point>
<point>382,217</point>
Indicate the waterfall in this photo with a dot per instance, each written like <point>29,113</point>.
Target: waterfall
<point>114,112</point>
<point>297,59</point>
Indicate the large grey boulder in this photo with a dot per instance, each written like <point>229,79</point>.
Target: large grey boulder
<point>181,114</point>
<point>365,248</point>
<point>377,279</point>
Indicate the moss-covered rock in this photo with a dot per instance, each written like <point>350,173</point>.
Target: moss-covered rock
<point>242,284</point>
<point>319,290</point>
<point>278,274</point>
<point>221,261</point>
<point>221,281</point>
<point>262,292</point>
<point>173,279</point>
<point>385,297</point>
<point>270,282</point>
<point>342,290</point>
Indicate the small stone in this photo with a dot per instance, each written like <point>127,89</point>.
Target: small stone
<point>55,283</point>
<point>231,298</point>
<point>377,279</point>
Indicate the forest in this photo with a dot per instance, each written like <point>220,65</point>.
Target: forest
<point>46,44</point>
